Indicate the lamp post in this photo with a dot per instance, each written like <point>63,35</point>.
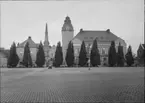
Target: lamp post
<point>89,47</point>
<point>28,59</point>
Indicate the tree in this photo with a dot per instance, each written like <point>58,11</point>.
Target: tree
<point>112,55</point>
<point>13,58</point>
<point>70,55</point>
<point>140,55</point>
<point>58,55</point>
<point>95,56</point>
<point>83,55</point>
<point>129,56</point>
<point>40,57</point>
<point>120,56</point>
<point>27,61</point>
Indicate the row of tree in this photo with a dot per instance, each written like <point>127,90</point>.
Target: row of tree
<point>114,58</point>
<point>13,59</point>
<point>117,58</point>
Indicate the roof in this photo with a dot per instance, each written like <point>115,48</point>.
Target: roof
<point>32,44</point>
<point>90,35</point>
<point>67,26</point>
<point>143,46</point>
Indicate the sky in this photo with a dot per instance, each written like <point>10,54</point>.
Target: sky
<point>20,19</point>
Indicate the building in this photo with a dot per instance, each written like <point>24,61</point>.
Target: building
<point>67,36</point>
<point>3,57</point>
<point>34,48</point>
<point>104,39</point>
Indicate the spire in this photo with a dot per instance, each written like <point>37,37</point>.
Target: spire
<point>46,42</point>
<point>46,31</point>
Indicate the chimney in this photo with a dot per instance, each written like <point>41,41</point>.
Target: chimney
<point>108,30</point>
<point>29,37</point>
<point>81,30</point>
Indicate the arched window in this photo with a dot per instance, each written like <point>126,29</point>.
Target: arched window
<point>76,51</point>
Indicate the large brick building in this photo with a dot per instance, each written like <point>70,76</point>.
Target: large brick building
<point>104,39</point>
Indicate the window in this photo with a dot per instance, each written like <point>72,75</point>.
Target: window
<point>103,51</point>
<point>21,52</point>
<point>86,45</point>
<point>106,50</point>
<point>76,51</point>
<point>91,37</point>
<point>99,50</point>
<point>85,37</point>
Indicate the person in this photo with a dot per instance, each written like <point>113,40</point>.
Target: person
<point>50,64</point>
<point>89,64</point>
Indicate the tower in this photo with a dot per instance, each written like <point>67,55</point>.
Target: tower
<point>67,36</point>
<point>46,42</point>
<point>46,45</point>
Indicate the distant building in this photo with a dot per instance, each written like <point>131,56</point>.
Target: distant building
<point>34,48</point>
<point>104,39</point>
<point>3,57</point>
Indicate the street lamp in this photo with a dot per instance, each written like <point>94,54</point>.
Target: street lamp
<point>89,52</point>
<point>28,59</point>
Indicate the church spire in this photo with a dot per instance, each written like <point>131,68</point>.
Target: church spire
<point>46,42</point>
<point>46,31</point>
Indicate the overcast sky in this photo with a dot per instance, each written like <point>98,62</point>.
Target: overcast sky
<point>125,18</point>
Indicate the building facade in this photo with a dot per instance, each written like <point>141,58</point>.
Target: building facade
<point>34,48</point>
<point>104,39</point>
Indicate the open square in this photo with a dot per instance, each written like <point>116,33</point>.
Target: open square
<point>103,84</point>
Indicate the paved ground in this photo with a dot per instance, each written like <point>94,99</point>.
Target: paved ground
<point>103,85</point>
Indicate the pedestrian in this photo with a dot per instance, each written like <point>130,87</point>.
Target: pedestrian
<point>89,64</point>
<point>50,64</point>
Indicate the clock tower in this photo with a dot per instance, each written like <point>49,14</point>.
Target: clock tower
<point>67,36</point>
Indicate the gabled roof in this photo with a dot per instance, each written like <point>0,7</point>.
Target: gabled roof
<point>89,35</point>
<point>32,44</point>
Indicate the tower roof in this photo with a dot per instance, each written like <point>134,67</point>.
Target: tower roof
<point>46,28</point>
<point>67,26</point>
<point>46,42</point>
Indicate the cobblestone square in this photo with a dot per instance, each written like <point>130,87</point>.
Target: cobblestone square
<point>64,85</point>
